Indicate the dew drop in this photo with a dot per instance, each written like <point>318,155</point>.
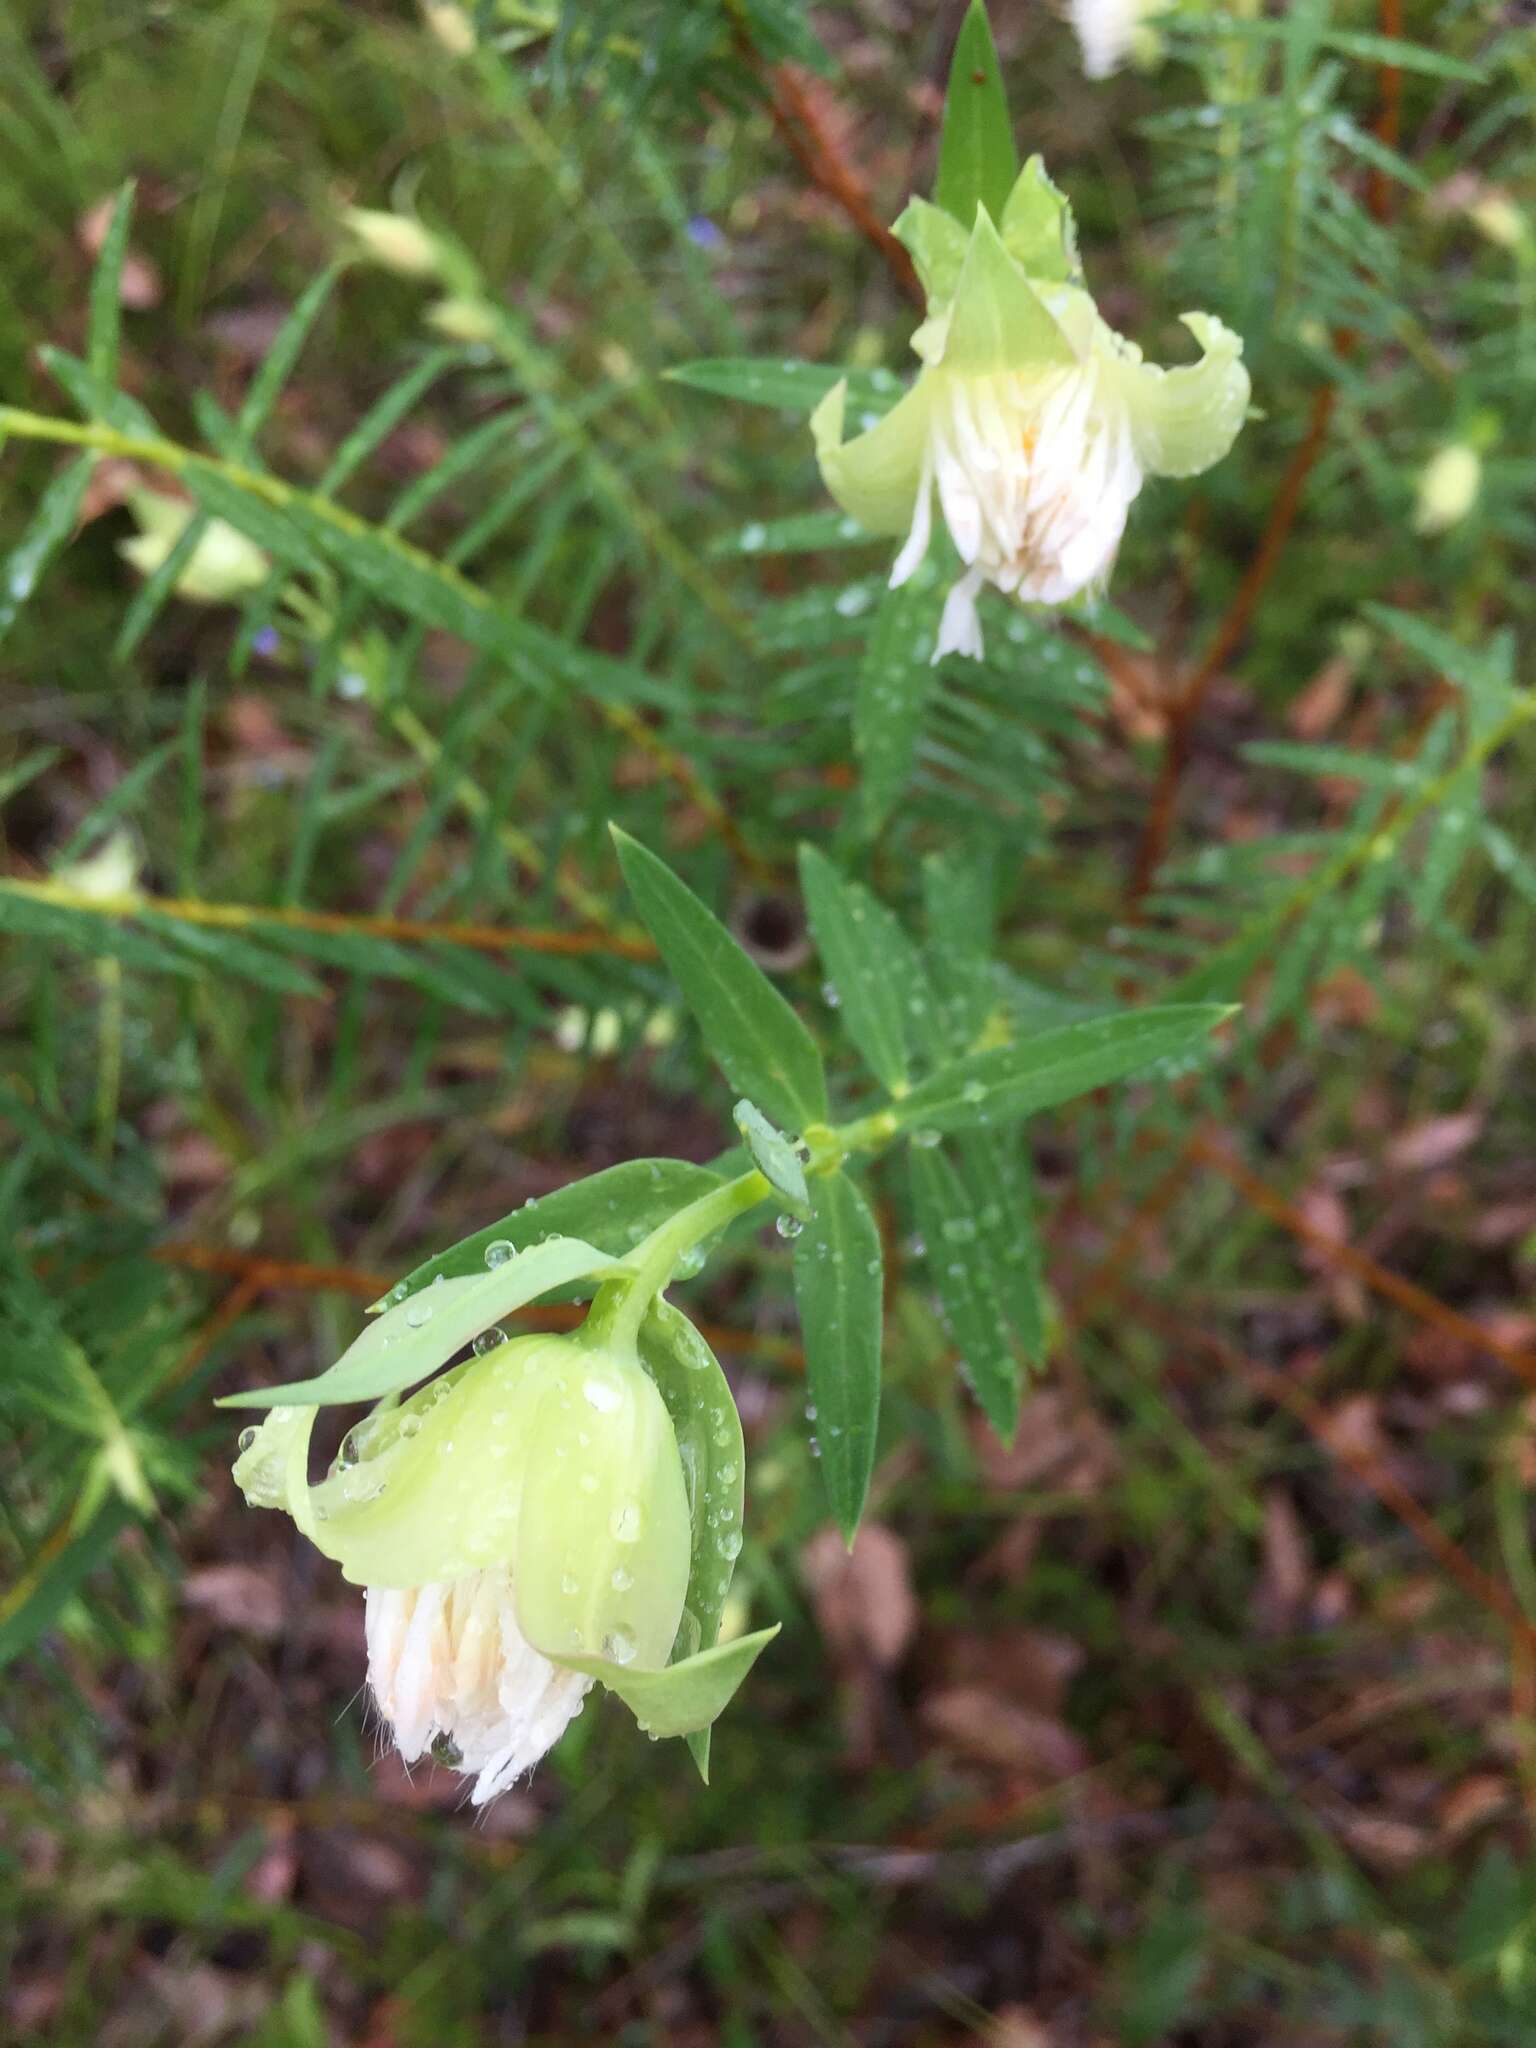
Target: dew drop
<point>690,1262</point>
<point>602,1395</point>
<point>620,1579</point>
<point>974,1091</point>
<point>410,1425</point>
<point>788,1226</point>
<point>619,1646</point>
<point>728,1543</point>
<point>418,1314</point>
<point>927,1139</point>
<point>570,1583</point>
<point>727,1474</point>
<point>488,1340</point>
<point>245,1439</point>
<point>498,1253</point>
<point>625,1522</point>
<point>829,995</point>
<point>588,1483</point>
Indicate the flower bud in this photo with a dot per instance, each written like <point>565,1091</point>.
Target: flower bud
<point>1448,487</point>
<point>398,243</point>
<point>221,568</point>
<point>1032,421</point>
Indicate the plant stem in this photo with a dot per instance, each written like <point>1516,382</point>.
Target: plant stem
<point>621,1305</point>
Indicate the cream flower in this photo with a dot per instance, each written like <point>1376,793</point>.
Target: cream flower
<point>1032,421</point>
<point>222,568</point>
<point>1110,31</point>
<point>523,1524</point>
<point>1448,488</point>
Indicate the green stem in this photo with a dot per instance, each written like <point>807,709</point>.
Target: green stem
<point>621,1305</point>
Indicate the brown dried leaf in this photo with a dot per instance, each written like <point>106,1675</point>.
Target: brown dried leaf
<point>1435,1142</point>
<point>238,1596</point>
<point>993,1730</point>
<point>863,1598</point>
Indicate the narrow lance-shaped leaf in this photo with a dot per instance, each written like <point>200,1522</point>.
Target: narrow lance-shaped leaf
<point>978,161</point>
<point>410,1341</point>
<point>106,311</point>
<point>838,1292</point>
<point>613,1210</point>
<point>761,1045</point>
<point>851,931</point>
<point>1054,1066</point>
<point>960,1263</point>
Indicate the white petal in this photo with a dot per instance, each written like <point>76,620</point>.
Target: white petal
<point>960,625</point>
<point>915,546</point>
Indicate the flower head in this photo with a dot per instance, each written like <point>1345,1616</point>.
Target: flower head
<point>1110,31</point>
<point>522,1524</point>
<point>222,566</point>
<point>1032,421</point>
<point>1448,487</point>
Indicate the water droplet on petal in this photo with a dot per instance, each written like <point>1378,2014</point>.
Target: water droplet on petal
<point>488,1340</point>
<point>619,1646</point>
<point>625,1523</point>
<point>620,1579</point>
<point>498,1253</point>
<point>602,1395</point>
<point>418,1314</point>
<point>245,1439</point>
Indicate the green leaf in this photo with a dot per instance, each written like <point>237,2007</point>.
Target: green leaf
<point>1053,1066</point>
<point>761,1045</point>
<point>48,529</point>
<point>997,1170</point>
<point>708,1429</point>
<point>960,1264</point>
<point>785,385</point>
<point>414,1338</point>
<point>852,936</point>
<point>895,680</point>
<point>686,1697</point>
<point>837,1290</point>
<point>613,1210</point>
<point>977,158</point>
<point>774,1157</point>
<point>106,309</point>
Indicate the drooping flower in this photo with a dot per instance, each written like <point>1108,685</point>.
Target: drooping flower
<point>1032,421</point>
<point>222,567</point>
<point>1110,31</point>
<point>394,240</point>
<point>1448,487</point>
<point>522,1524</point>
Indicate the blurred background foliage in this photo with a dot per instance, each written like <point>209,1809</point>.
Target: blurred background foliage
<point>1204,1713</point>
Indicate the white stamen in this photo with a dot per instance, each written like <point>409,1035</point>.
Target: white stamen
<point>449,1660</point>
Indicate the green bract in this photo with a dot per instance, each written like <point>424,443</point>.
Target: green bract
<point>1032,420</point>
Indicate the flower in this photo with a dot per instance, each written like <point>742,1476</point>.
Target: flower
<point>222,566</point>
<point>1032,419</point>
<point>1448,486</point>
<point>400,244</point>
<point>522,1525</point>
<point>1109,31</point>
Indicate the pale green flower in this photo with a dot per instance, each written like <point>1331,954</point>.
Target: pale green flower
<point>394,240</point>
<point>523,1524</point>
<point>1032,420</point>
<point>1448,488</point>
<point>222,568</point>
